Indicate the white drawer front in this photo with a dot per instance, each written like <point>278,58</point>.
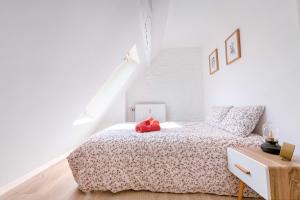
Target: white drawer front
<point>251,172</point>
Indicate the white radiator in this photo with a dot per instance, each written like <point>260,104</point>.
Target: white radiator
<point>144,111</point>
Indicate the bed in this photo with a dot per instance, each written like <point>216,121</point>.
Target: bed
<point>184,157</point>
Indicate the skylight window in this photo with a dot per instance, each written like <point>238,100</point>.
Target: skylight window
<point>110,89</point>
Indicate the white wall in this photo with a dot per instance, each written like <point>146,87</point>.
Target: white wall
<point>298,1</point>
<point>54,57</point>
<point>116,113</point>
<point>269,70</point>
<point>174,78</point>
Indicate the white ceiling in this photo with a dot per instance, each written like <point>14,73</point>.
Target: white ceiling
<point>185,26</point>
<point>159,18</point>
<point>191,22</point>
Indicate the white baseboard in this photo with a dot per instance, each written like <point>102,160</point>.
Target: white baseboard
<point>31,174</point>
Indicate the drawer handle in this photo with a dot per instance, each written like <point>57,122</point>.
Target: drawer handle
<point>243,169</point>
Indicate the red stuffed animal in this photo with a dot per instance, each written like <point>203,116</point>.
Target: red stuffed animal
<point>147,126</point>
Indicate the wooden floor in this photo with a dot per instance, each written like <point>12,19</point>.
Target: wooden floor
<point>57,183</point>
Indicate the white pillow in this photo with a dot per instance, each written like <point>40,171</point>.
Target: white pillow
<point>241,121</point>
<point>216,115</point>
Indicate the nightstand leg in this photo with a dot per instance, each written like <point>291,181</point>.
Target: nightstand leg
<point>241,191</point>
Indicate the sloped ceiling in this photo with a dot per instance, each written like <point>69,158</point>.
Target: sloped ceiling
<point>191,22</point>
<point>188,23</point>
<point>159,19</point>
<point>185,24</point>
<point>54,57</point>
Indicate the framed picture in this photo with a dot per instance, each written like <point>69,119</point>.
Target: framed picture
<point>213,62</point>
<point>233,47</point>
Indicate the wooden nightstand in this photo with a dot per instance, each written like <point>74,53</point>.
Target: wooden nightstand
<point>267,174</point>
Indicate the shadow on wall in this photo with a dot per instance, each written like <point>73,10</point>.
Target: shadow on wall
<point>259,127</point>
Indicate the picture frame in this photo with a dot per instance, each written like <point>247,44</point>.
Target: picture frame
<point>233,47</point>
<point>213,60</point>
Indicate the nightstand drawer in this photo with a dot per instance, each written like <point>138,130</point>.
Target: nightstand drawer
<point>251,172</point>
